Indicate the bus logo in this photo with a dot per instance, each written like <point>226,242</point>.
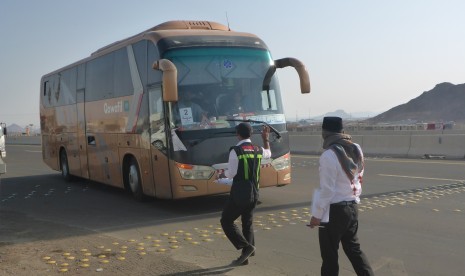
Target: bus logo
<point>227,64</point>
<point>116,108</point>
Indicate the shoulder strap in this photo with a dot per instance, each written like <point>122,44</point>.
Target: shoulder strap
<point>254,171</point>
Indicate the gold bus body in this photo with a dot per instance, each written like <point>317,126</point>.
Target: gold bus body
<point>69,127</point>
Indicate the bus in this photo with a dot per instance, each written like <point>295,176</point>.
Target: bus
<point>153,113</point>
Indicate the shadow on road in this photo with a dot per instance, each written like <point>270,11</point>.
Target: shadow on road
<point>220,270</point>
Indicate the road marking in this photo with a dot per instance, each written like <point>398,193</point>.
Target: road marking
<point>460,163</point>
<point>419,177</point>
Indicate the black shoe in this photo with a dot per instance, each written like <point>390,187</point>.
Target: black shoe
<point>251,255</point>
<point>246,252</point>
<point>236,262</point>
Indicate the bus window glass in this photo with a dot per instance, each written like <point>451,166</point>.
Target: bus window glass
<point>81,76</point>
<point>217,84</point>
<point>157,126</point>
<point>154,76</point>
<point>66,92</point>
<point>99,78</point>
<point>122,76</point>
<point>269,100</point>
<point>140,54</point>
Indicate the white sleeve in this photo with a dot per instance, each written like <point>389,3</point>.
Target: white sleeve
<point>224,181</point>
<point>328,174</point>
<point>233,163</point>
<point>266,153</point>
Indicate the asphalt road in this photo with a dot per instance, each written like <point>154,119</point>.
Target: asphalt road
<point>411,221</point>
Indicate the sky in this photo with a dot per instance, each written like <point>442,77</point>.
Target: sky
<point>363,56</point>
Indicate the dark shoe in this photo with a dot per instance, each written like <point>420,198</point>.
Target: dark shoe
<point>246,252</point>
<point>236,262</point>
<point>251,255</point>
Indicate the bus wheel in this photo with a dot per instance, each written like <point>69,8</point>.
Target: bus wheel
<point>64,166</point>
<point>134,180</point>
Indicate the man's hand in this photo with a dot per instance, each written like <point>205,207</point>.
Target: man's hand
<point>266,133</point>
<point>266,136</point>
<point>314,222</point>
<point>220,175</point>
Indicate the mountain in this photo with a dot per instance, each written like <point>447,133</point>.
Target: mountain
<point>14,128</point>
<point>444,103</point>
<point>338,113</point>
<point>346,116</point>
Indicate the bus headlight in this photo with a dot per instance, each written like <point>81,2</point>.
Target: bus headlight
<point>195,172</point>
<point>282,163</point>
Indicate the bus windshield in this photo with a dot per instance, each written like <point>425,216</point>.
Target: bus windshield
<point>217,84</point>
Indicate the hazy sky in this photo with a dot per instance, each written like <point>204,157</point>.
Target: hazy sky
<point>363,56</point>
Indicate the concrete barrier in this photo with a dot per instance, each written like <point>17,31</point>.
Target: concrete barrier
<point>392,145</point>
<point>450,146</point>
<point>403,144</point>
<point>23,140</point>
<point>395,144</point>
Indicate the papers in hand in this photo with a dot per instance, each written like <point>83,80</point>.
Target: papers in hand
<point>316,206</point>
<point>224,181</point>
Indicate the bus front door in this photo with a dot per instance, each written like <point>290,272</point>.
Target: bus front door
<point>81,134</point>
<point>161,179</point>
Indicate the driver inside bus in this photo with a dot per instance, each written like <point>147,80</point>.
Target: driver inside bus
<point>236,104</point>
<point>188,112</point>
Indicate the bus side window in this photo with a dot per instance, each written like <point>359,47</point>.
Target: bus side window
<point>45,88</point>
<point>157,126</point>
<point>269,100</point>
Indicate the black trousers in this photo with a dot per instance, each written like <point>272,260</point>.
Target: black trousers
<point>230,213</point>
<point>342,228</point>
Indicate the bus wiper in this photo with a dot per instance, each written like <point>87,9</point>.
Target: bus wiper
<point>278,135</point>
<point>196,142</point>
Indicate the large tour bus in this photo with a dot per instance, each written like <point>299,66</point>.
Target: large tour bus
<point>155,113</point>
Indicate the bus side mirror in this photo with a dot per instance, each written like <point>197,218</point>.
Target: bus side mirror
<point>170,79</point>
<point>298,66</point>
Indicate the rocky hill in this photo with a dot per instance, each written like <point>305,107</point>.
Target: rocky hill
<point>444,103</point>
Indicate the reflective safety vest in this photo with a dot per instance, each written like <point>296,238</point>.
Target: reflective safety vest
<point>245,155</point>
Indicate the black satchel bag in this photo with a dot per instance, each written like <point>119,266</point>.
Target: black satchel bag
<point>245,192</point>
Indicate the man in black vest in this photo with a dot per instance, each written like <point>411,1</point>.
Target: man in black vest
<point>244,163</point>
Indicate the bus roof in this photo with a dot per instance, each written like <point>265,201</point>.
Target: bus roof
<point>176,28</point>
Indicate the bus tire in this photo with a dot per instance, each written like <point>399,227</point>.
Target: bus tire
<point>134,181</point>
<point>64,166</point>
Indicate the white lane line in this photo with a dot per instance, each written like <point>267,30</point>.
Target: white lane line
<point>460,163</point>
<point>419,177</point>
<point>33,150</point>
